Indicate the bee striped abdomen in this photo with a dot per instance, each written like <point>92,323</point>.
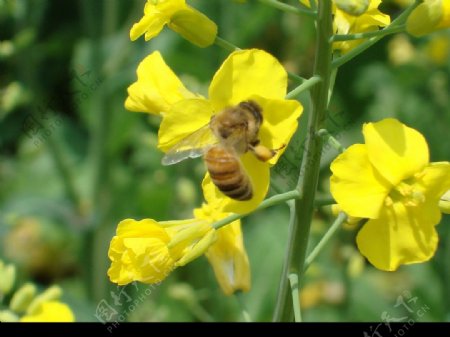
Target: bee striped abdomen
<point>227,174</point>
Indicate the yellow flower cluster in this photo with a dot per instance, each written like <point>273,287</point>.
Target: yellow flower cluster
<point>28,306</point>
<point>396,187</point>
<point>355,16</point>
<point>147,250</point>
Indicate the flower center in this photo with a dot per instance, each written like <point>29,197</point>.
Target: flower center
<point>406,193</point>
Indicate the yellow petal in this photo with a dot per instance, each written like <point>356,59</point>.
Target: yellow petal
<point>395,150</point>
<point>144,228</point>
<point>259,174</point>
<point>156,15</point>
<point>183,119</point>
<point>150,25</point>
<point>229,259</point>
<point>194,26</point>
<point>434,181</point>
<point>377,17</point>
<point>156,88</point>
<point>401,235</point>
<point>247,73</point>
<point>52,311</point>
<point>355,184</point>
<point>280,121</point>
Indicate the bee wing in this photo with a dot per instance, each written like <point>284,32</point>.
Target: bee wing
<point>192,146</point>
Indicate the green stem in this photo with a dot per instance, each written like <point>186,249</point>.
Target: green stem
<point>275,200</point>
<point>331,140</point>
<point>309,171</point>
<point>288,8</point>
<point>400,21</point>
<point>306,85</point>
<point>341,218</point>
<point>244,311</point>
<point>377,33</point>
<point>324,201</point>
<point>293,281</point>
<point>224,44</point>
<point>332,82</point>
<point>295,78</point>
<point>283,288</point>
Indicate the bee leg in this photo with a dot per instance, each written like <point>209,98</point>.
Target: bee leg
<point>255,142</point>
<point>263,153</point>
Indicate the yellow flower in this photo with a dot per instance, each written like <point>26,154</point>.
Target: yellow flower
<point>370,20</point>
<point>156,88</point>
<point>390,181</point>
<point>50,311</point>
<point>227,255</point>
<point>147,250</point>
<point>180,17</point>
<point>244,75</point>
<point>428,17</point>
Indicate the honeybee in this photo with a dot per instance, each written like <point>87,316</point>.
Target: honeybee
<point>229,134</point>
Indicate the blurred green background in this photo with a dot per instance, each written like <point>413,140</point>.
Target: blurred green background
<point>74,162</point>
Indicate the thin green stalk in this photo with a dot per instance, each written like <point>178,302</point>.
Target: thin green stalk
<point>244,311</point>
<point>341,218</point>
<point>293,281</point>
<point>224,44</point>
<point>324,201</point>
<point>283,288</point>
<point>400,21</point>
<point>228,46</point>
<point>275,200</point>
<point>296,78</point>
<point>377,33</point>
<point>306,85</point>
<point>309,171</point>
<point>288,8</point>
<point>331,86</point>
<point>331,140</point>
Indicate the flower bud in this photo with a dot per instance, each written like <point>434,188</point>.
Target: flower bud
<point>7,278</point>
<point>23,298</point>
<point>353,7</point>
